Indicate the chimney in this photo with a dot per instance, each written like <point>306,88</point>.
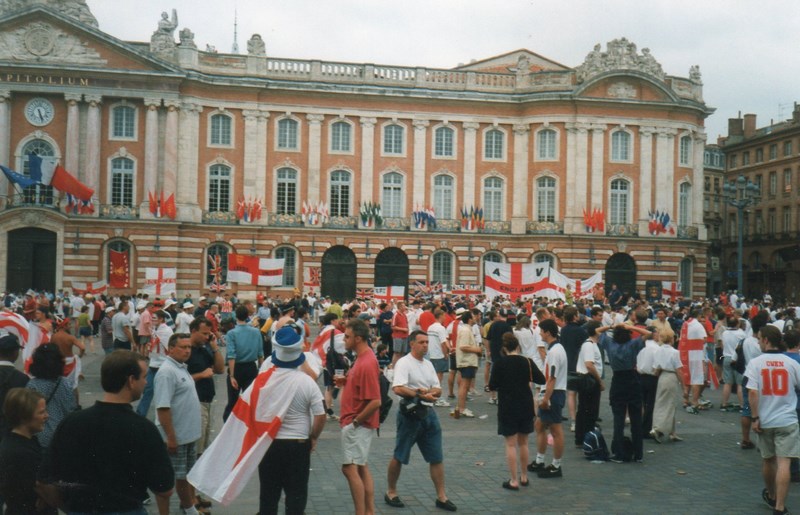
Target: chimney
<point>735,127</point>
<point>749,125</point>
<point>796,113</point>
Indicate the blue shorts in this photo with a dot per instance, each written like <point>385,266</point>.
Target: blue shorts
<point>552,415</point>
<point>468,372</point>
<point>441,365</point>
<point>85,331</point>
<point>426,434</point>
<point>746,412</point>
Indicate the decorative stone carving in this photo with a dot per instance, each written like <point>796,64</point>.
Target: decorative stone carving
<point>621,90</point>
<point>443,244</point>
<point>73,8</point>
<point>118,232</point>
<point>163,39</point>
<point>694,74</point>
<point>187,38</point>
<point>621,246</point>
<point>42,43</point>
<point>368,122</point>
<point>256,46</point>
<point>286,238</point>
<point>542,246</point>
<point>340,240</point>
<point>620,54</point>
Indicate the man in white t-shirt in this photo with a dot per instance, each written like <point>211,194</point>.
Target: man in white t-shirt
<point>731,337</point>
<point>692,349</point>
<point>551,403</point>
<point>438,349</point>
<point>772,379</point>
<point>415,381</point>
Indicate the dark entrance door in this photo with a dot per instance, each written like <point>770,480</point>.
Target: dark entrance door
<point>339,273</point>
<point>621,270</point>
<point>391,268</point>
<point>31,260</point>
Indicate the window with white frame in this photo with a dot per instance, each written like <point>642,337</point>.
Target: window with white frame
<point>443,196</point>
<point>393,136</point>
<point>546,144</point>
<point>220,130</point>
<point>545,258</point>
<point>685,151</point>
<point>341,137</point>
<point>340,193</point>
<point>122,182</point>
<point>392,195</point>
<point>493,199</point>
<point>289,255</point>
<point>773,183</point>
<point>286,189</point>
<point>287,134</point>
<point>620,146</point>
<point>493,142</point>
<point>38,193</point>
<point>685,204</point>
<point>686,278</point>
<point>546,199</point>
<point>123,122</point>
<point>219,188</point>
<point>443,142</point>
<point>619,202</point>
<point>773,151</point>
<point>787,219</point>
<point>443,267</point>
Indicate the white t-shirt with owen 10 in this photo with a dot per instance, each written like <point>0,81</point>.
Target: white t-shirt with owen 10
<point>775,377</point>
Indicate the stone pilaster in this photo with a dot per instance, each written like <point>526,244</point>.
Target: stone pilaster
<point>170,175</point>
<point>261,158</point>
<point>598,155</point>
<point>699,145</point>
<point>577,148</point>
<point>72,148</point>
<point>367,156</point>
<point>519,216</point>
<point>665,170</point>
<point>418,184</point>
<point>314,157</point>
<point>470,160</point>
<point>645,177</point>
<point>5,138</point>
<point>151,106</point>
<point>91,175</point>
<point>188,147</point>
<point>251,145</point>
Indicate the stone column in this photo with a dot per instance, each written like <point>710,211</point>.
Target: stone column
<point>151,106</point>
<point>91,175</point>
<point>699,142</point>
<point>251,145</point>
<point>5,138</point>
<point>470,160</point>
<point>188,147</point>
<point>665,171</point>
<point>261,160</point>
<point>72,149</point>
<point>418,185</point>
<point>170,175</point>
<point>598,156</point>
<point>367,156</point>
<point>577,146</point>
<point>645,178</point>
<point>314,157</point>
<point>519,215</point>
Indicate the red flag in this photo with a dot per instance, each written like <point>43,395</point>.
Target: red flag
<point>169,207</point>
<point>119,274</point>
<point>153,202</point>
<point>63,181</point>
<point>240,209</point>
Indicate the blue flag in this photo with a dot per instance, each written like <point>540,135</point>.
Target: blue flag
<point>17,178</point>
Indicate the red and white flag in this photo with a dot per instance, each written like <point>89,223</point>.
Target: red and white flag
<point>670,290</point>
<point>36,337</point>
<point>83,288</point>
<point>227,465</point>
<point>389,293</point>
<point>160,281</point>
<point>15,324</point>
<point>584,289</point>
<point>515,280</point>
<point>312,277</point>
<point>254,270</point>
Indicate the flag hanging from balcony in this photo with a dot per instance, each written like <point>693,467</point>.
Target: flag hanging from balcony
<point>160,281</point>
<point>17,178</point>
<point>119,274</point>
<point>254,270</point>
<point>59,178</point>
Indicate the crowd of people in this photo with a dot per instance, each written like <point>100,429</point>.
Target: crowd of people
<point>546,366</point>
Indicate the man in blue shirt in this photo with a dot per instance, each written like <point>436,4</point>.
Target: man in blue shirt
<point>245,354</point>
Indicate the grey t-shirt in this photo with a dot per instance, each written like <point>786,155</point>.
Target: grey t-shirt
<point>174,389</point>
<point>118,325</point>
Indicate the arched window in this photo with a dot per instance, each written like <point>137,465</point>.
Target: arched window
<point>546,199</point>
<point>685,204</point>
<point>393,139</point>
<point>546,144</point>
<point>545,258</point>
<point>286,201</point>
<point>122,182</point>
<point>341,137</point>
<point>619,202</point>
<point>289,256</point>
<point>392,195</point>
<point>287,134</point>
<point>37,194</point>
<point>686,151</point>
<point>221,130</point>
<point>340,193</point>
<point>219,188</point>
<point>443,142</point>
<point>493,198</point>
<point>443,196</point>
<point>620,146</point>
<point>118,272</point>
<point>494,141</point>
<point>686,278</point>
<point>217,264</point>
<point>443,267</point>
<point>123,122</point>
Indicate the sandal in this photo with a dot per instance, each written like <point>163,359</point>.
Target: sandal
<point>524,483</point>
<point>508,486</point>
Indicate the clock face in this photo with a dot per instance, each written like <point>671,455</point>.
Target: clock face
<point>39,112</point>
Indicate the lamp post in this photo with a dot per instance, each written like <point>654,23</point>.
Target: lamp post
<point>741,194</point>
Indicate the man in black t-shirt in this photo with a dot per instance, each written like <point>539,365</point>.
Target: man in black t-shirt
<point>205,361</point>
<point>573,334</point>
<point>104,459</point>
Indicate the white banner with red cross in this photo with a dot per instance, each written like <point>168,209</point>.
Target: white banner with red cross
<point>160,281</point>
<point>389,293</point>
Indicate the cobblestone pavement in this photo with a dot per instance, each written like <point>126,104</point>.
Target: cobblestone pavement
<point>706,473</point>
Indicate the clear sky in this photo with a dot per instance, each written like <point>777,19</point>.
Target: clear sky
<point>747,49</point>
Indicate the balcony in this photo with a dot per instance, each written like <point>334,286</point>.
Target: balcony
<point>118,212</point>
<point>688,232</point>
<point>341,222</point>
<point>533,227</point>
<point>42,199</point>
<point>220,217</point>
<point>622,230</point>
<point>284,220</point>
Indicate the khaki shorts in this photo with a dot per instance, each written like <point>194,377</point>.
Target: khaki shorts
<point>783,442</point>
<point>355,444</point>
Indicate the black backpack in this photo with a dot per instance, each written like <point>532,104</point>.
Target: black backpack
<point>739,364</point>
<point>594,446</point>
<point>386,401</point>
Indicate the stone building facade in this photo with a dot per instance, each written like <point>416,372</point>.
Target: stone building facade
<point>531,143</point>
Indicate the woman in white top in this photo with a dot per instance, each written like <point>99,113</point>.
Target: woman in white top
<point>670,388</point>
<point>526,337</point>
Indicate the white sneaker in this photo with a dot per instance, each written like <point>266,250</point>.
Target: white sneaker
<point>467,413</point>
<point>572,426</point>
<point>442,403</point>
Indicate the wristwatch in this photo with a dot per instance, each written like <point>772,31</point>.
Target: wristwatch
<point>356,423</point>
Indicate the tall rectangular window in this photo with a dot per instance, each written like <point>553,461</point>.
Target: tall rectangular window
<point>286,198</point>
<point>685,151</point>
<point>392,195</point>
<point>341,137</point>
<point>787,219</point>
<point>773,151</point>
<point>493,199</point>
<point>122,182</point>
<point>546,199</point>
<point>787,181</point>
<point>773,183</point>
<point>443,142</point>
<point>443,197</point>
<point>219,188</point>
<point>393,139</point>
<point>340,193</point>
<point>619,202</point>
<point>287,134</point>
<point>787,148</point>
<point>546,144</point>
<point>124,122</point>
<point>620,146</point>
<point>221,130</point>
<point>493,144</point>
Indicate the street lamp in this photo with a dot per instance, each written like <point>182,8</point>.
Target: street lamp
<point>741,194</point>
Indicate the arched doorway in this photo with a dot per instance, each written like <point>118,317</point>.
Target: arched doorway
<point>621,270</point>
<point>391,268</point>
<point>31,260</point>
<point>339,273</point>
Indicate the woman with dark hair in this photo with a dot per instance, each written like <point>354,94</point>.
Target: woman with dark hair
<point>512,379</point>
<point>47,369</point>
<point>21,454</point>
